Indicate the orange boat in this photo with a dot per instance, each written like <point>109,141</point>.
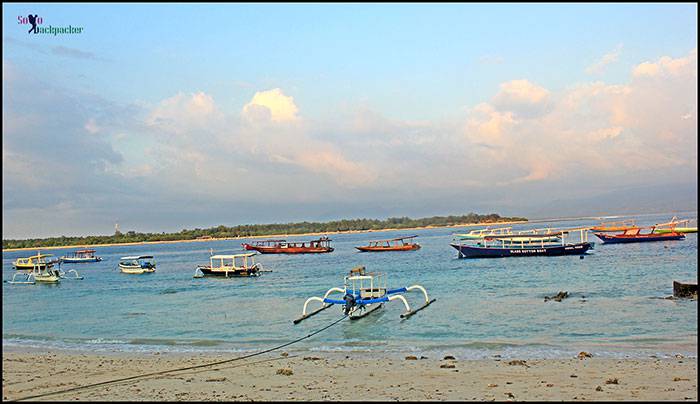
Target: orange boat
<point>395,244</point>
<point>322,245</point>
<point>623,225</point>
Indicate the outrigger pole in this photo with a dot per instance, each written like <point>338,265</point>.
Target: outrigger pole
<point>353,302</point>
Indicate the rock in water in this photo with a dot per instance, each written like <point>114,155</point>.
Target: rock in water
<point>687,290</point>
<point>558,297</point>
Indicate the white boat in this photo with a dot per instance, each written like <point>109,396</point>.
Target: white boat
<point>43,274</point>
<point>481,233</point>
<point>137,264</point>
<point>230,266</point>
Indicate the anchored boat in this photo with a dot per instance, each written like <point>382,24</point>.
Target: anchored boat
<point>322,245</point>
<point>634,235</point>
<point>363,293</point>
<point>81,256</point>
<point>235,265</point>
<point>395,244</point>
<point>36,260</point>
<point>519,246</point>
<point>138,264</point>
<point>44,274</point>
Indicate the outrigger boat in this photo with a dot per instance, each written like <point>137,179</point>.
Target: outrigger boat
<point>36,260</point>
<point>363,293</point>
<point>395,244</point>
<point>322,245</point>
<point>81,256</point>
<point>634,236</point>
<point>672,227</point>
<point>225,266</point>
<point>518,246</point>
<point>615,226</point>
<point>138,264</point>
<point>44,274</point>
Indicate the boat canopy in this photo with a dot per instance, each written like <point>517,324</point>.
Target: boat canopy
<point>393,239</point>
<point>137,257</point>
<point>41,256</point>
<point>84,251</point>
<point>228,257</point>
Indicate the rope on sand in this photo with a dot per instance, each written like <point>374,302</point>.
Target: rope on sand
<point>130,378</point>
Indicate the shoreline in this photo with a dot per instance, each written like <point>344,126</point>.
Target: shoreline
<point>544,220</point>
<point>323,377</point>
<point>262,236</point>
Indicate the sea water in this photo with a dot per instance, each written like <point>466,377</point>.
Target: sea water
<point>485,307</point>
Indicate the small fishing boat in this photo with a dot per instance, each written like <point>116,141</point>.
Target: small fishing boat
<point>30,263</point>
<point>138,264</point>
<point>519,246</point>
<point>235,265</point>
<point>395,244</point>
<point>673,227</point>
<point>81,256</point>
<point>634,235</point>
<point>322,245</point>
<point>43,274</point>
<point>364,293</point>
<point>621,225</point>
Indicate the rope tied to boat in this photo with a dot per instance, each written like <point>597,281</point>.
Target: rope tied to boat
<point>136,377</point>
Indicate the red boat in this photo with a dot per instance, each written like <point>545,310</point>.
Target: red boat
<point>322,245</point>
<point>633,235</point>
<point>395,244</point>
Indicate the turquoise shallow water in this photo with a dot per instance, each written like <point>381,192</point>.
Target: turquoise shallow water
<point>484,306</point>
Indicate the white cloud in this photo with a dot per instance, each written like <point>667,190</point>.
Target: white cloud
<point>271,105</point>
<point>607,59</point>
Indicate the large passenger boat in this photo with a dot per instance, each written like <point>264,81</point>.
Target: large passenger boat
<point>322,245</point>
<point>519,246</point>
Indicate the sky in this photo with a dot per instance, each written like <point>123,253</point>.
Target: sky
<point>163,117</point>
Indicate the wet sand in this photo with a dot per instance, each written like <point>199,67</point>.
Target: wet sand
<point>333,377</point>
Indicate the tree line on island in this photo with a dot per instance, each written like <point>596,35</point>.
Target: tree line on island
<point>249,230</point>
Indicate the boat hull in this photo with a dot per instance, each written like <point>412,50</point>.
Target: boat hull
<point>412,247</point>
<point>467,251</point>
<point>619,239</point>
<point>25,267</point>
<point>291,250</point>
<point>206,271</point>
<point>135,270</point>
<point>79,260</point>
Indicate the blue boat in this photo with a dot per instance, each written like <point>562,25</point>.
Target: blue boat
<point>518,246</point>
<point>81,256</point>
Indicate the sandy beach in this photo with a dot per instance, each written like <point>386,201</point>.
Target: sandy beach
<point>304,376</point>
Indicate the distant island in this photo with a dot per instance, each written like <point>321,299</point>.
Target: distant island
<point>253,230</point>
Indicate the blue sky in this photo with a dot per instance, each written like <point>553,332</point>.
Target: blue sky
<point>407,81</point>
